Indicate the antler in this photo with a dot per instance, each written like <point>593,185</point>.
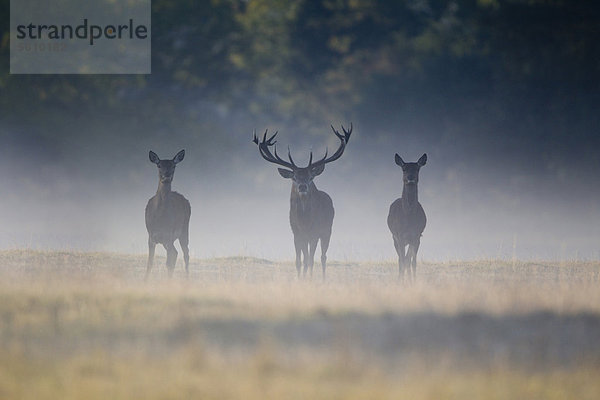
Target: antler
<point>265,151</point>
<point>338,153</point>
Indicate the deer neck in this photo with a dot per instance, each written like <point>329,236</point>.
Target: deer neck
<point>410,196</point>
<point>164,188</point>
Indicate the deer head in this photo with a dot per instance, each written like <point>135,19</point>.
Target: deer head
<point>301,177</point>
<point>166,168</point>
<point>410,170</point>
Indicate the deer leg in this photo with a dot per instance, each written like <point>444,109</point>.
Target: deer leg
<point>408,261</point>
<point>306,257</point>
<point>312,248</point>
<point>324,247</point>
<point>171,258</point>
<point>151,249</point>
<point>401,258</point>
<point>415,249</point>
<point>298,246</point>
<point>184,242</point>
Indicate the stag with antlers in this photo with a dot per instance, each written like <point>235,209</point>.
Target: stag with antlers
<point>311,210</point>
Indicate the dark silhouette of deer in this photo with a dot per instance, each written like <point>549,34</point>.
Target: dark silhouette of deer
<point>406,219</point>
<point>168,216</point>
<point>311,210</point>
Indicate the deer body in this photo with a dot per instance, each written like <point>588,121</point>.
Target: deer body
<point>406,219</point>
<point>311,210</point>
<point>311,220</point>
<point>167,216</point>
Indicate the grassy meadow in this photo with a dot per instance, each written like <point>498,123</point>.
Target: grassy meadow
<point>87,326</point>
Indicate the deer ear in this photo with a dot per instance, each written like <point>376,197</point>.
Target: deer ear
<point>153,157</point>
<point>318,170</point>
<point>286,173</point>
<point>400,161</point>
<point>179,157</point>
<point>423,160</point>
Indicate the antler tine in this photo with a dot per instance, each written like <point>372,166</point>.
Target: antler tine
<point>310,163</point>
<point>290,157</point>
<point>348,132</point>
<point>346,135</point>
<point>265,152</point>
<point>270,142</point>
<point>338,153</point>
<point>255,138</point>
<point>282,161</point>
<point>337,133</point>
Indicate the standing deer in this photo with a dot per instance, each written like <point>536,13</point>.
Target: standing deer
<point>406,219</point>
<point>311,210</point>
<point>167,216</point>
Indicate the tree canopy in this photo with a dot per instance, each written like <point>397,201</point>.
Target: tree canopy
<point>524,67</point>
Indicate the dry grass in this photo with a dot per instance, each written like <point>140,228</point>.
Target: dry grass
<point>81,325</point>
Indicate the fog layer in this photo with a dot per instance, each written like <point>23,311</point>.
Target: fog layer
<point>502,97</point>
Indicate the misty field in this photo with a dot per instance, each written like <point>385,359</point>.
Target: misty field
<point>86,326</point>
